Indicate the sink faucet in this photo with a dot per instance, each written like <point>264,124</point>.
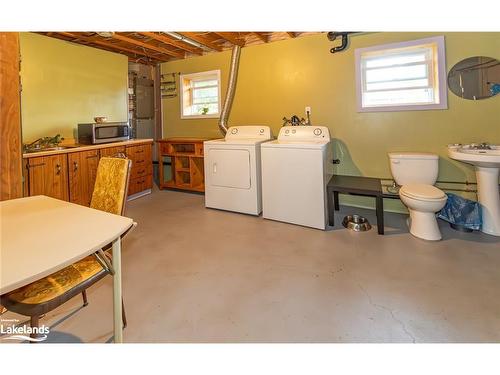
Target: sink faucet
<point>44,142</point>
<point>480,146</point>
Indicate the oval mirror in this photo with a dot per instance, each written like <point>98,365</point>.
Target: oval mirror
<point>475,78</point>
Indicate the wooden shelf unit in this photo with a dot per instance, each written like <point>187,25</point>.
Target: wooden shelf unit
<point>186,161</point>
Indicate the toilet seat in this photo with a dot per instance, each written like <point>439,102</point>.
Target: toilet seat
<point>422,192</point>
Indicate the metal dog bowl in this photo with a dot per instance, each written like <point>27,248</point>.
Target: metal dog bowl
<point>356,223</point>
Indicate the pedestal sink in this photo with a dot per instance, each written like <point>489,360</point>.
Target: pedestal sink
<point>486,160</point>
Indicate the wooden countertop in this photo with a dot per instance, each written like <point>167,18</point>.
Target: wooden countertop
<point>78,147</point>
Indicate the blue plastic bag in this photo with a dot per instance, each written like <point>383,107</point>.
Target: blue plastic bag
<point>461,211</point>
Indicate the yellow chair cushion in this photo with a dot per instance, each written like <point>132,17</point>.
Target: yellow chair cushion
<point>56,284</point>
<point>109,195</point>
<point>110,185</point>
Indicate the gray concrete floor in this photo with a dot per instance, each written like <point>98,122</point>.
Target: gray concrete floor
<point>201,275</point>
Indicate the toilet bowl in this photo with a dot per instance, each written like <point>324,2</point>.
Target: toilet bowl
<point>423,201</point>
<point>416,173</point>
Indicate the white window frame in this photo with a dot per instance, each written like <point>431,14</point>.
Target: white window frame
<point>184,91</point>
<point>439,81</point>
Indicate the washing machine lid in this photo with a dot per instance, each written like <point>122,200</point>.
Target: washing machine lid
<point>304,133</point>
<point>422,191</point>
<point>304,145</point>
<point>235,142</point>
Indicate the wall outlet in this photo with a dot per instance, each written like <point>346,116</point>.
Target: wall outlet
<point>308,109</point>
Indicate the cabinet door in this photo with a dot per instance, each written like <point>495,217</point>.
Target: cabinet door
<point>48,175</point>
<point>82,175</point>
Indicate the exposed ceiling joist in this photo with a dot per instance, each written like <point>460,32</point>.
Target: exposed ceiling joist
<point>139,43</point>
<point>232,38</point>
<point>162,46</point>
<point>167,40</point>
<point>111,46</point>
<point>262,36</point>
<point>202,40</point>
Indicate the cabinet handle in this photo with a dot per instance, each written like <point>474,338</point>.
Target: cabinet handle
<point>75,165</point>
<point>140,182</point>
<point>140,161</point>
<point>141,172</point>
<point>139,151</point>
<point>35,165</point>
<point>58,169</point>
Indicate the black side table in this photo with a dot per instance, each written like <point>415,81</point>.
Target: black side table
<point>355,185</point>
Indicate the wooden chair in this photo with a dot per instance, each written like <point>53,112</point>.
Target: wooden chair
<point>44,295</point>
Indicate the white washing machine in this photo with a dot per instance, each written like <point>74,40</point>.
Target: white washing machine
<point>295,171</point>
<point>232,170</point>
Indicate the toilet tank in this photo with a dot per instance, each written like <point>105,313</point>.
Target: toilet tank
<point>414,167</point>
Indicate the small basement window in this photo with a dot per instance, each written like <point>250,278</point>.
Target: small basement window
<point>403,76</point>
<point>200,95</point>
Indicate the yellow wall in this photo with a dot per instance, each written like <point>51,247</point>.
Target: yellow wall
<point>65,84</point>
<point>281,78</point>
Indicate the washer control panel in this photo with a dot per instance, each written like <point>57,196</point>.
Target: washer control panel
<point>249,132</point>
<point>304,133</point>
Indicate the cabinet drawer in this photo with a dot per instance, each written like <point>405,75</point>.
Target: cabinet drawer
<point>137,153</point>
<point>139,184</point>
<point>139,170</point>
<point>112,151</point>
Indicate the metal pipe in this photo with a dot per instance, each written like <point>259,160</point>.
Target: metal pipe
<point>333,35</point>
<point>231,88</point>
<point>447,189</point>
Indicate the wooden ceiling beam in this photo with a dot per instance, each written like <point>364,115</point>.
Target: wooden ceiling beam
<point>113,46</point>
<point>231,38</point>
<point>291,34</point>
<point>203,41</point>
<point>172,42</point>
<point>262,36</point>
<point>139,43</point>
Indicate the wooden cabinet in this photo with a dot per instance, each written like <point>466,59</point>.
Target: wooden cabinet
<point>187,163</point>
<point>141,175</point>
<point>48,175</point>
<point>71,176</point>
<point>82,174</point>
<point>140,184</point>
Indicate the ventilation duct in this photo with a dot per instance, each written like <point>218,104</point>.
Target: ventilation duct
<point>231,88</point>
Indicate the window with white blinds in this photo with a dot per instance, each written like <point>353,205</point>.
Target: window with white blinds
<point>402,76</point>
<point>200,94</point>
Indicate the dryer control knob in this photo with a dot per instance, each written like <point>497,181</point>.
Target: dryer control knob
<point>261,131</point>
<point>287,131</point>
<point>317,131</point>
<point>294,131</point>
<point>234,130</point>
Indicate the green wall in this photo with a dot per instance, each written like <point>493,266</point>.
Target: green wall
<point>281,78</point>
<point>65,84</point>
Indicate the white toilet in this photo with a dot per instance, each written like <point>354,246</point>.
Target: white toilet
<point>417,173</point>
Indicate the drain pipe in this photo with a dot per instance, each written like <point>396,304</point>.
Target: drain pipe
<point>231,88</point>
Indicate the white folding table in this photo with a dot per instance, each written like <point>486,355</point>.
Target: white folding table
<point>41,235</point>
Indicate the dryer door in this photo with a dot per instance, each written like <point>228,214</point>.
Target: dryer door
<point>229,168</point>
